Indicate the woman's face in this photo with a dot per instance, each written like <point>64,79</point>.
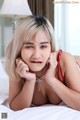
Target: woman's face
<point>36,51</point>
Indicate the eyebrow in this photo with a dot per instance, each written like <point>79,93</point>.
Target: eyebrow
<point>31,43</point>
<point>44,43</point>
<point>28,43</point>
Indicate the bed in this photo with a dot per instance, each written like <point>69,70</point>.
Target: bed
<point>45,112</point>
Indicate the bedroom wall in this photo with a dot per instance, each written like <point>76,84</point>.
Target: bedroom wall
<point>5,36</point>
<point>5,32</point>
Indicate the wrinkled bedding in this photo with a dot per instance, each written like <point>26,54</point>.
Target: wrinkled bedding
<point>46,112</point>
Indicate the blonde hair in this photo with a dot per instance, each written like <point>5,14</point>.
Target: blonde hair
<point>26,28</point>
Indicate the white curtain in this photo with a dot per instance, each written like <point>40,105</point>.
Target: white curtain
<point>67,25</point>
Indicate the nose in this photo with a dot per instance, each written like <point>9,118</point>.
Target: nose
<point>37,54</point>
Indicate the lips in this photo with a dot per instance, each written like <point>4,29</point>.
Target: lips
<point>36,61</point>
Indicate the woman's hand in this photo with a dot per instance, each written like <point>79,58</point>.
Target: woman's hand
<point>23,70</point>
<point>50,73</point>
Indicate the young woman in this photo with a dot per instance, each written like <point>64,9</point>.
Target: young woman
<point>38,73</point>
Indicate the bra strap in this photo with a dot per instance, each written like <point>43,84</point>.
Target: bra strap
<point>59,66</point>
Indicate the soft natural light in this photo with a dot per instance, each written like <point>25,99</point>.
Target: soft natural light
<point>67,26</point>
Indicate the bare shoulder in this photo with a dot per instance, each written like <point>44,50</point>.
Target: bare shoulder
<point>71,71</point>
<point>67,58</point>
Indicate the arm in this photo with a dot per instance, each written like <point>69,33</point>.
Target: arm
<point>70,92</point>
<point>20,98</point>
<point>20,92</point>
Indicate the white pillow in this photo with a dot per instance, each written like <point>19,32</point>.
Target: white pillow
<point>4,84</point>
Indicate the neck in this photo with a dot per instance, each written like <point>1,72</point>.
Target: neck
<point>42,72</point>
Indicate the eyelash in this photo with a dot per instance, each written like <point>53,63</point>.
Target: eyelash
<point>43,46</point>
<point>29,47</point>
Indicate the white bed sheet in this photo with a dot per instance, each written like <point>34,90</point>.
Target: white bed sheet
<point>47,112</point>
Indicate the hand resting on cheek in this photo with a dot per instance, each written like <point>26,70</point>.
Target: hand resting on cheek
<point>23,70</point>
<point>52,64</point>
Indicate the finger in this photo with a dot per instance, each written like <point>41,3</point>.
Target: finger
<point>16,61</point>
<point>24,68</point>
<point>21,65</point>
<point>52,60</point>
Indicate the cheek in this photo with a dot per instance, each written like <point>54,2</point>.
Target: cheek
<point>47,55</point>
<point>25,55</point>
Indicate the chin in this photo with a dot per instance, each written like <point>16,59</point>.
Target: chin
<point>36,69</point>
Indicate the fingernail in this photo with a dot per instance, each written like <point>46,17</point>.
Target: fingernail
<point>16,60</point>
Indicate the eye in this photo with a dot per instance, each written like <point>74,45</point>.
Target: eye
<point>28,46</point>
<point>43,46</point>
